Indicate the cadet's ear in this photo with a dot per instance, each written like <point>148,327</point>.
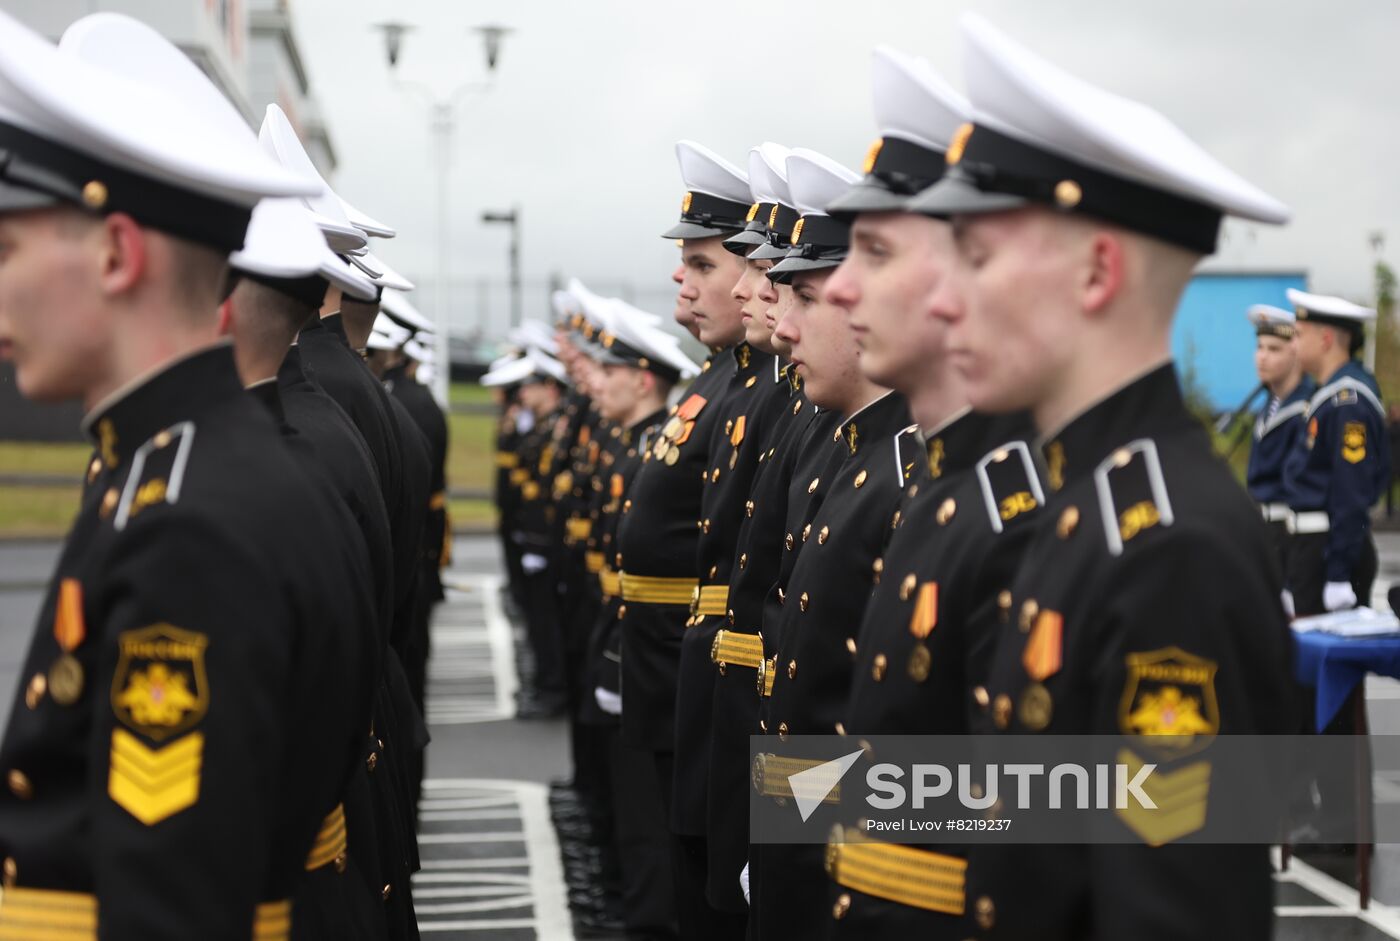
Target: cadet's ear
<point>1103,273</point>
<point>226,318</point>
<point>123,253</point>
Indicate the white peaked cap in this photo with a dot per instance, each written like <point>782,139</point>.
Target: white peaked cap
<point>1015,91</point>
<point>280,140</point>
<point>369,224</point>
<point>913,102</point>
<point>383,324</point>
<point>534,333</point>
<point>545,365</point>
<point>1328,306</point>
<point>508,373</point>
<point>380,273</point>
<point>704,171</point>
<point>768,173</point>
<point>284,242</point>
<point>380,341</point>
<point>401,309</point>
<point>643,335</point>
<point>815,180</point>
<point>419,351</point>
<point>1260,314</point>
<point>93,97</point>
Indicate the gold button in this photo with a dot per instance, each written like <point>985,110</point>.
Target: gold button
<point>20,786</point>
<point>861,479</point>
<point>1028,612</point>
<point>619,560</point>
<point>842,906</point>
<point>789,542</point>
<point>621,611</point>
<point>878,566</point>
<point>792,669</point>
<point>11,871</point>
<point>109,502</point>
<point>1004,605</point>
<point>388,890</point>
<point>946,511</point>
<point>161,440</point>
<point>894,521</point>
<point>714,570</point>
<point>980,694</point>
<point>748,508</point>
<point>705,527</point>
<point>750,383</point>
<point>840,728</point>
<point>729,426</point>
<point>877,667</point>
<point>824,535</point>
<point>743,560</point>
<point>986,913</point>
<point>851,645</point>
<point>806,531</point>
<point>626,506</point>
<point>906,587</point>
<point>1069,519</point>
<point>782,730</point>
<point>1001,710</point>
<point>1068,194</point>
<point>796,407</point>
<point>34,692</point>
<point>341,862</point>
<point>803,601</point>
<point>94,469</point>
<point>372,760</point>
<point>812,487</point>
<point>95,194</point>
<point>714,475</point>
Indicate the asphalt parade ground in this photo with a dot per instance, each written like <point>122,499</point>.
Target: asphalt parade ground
<point>491,866</point>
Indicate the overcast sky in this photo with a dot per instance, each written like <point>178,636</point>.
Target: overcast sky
<point>589,98</point>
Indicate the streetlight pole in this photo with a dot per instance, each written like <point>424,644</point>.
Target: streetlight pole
<point>511,218</point>
<point>444,119</point>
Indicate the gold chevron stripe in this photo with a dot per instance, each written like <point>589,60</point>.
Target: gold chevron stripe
<point>152,784</point>
<point>330,842</point>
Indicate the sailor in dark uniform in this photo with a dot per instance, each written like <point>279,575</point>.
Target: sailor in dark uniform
<point>1281,422</point>
<point>663,520</point>
<point>926,637</point>
<point>208,607</point>
<point>1340,464</point>
<point>872,455</point>
<point>1125,616</point>
<point>640,366</point>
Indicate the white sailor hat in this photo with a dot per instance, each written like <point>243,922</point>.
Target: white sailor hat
<point>1271,321</point>
<point>630,340</point>
<point>279,139</point>
<point>544,367</point>
<point>534,333</point>
<point>508,371</point>
<point>818,240</point>
<point>772,207</point>
<point>97,133</point>
<point>286,251</point>
<point>365,222</point>
<point>1333,311</point>
<point>585,322</point>
<point>385,325</point>
<point>379,272</point>
<point>1042,136</point>
<point>917,113</point>
<point>381,341</point>
<point>419,351</point>
<point>564,307</point>
<point>717,197</point>
<point>403,312</point>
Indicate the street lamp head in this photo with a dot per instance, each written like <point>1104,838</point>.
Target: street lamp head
<point>393,39</point>
<point>491,36</point>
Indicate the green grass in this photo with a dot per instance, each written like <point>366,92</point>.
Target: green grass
<point>37,511</point>
<point>24,457</point>
<point>468,393</point>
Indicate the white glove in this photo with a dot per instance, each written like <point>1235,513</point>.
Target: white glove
<point>533,564</point>
<point>1287,597</point>
<point>1338,596</point>
<point>744,882</point>
<point>608,701</point>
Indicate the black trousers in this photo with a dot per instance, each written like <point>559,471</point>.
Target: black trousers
<point>546,637</point>
<point>643,843</point>
<point>1307,572</point>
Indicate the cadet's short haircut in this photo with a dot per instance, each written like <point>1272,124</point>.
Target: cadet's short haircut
<point>268,317</point>
<point>201,277</point>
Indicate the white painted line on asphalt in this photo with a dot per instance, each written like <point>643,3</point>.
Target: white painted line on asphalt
<point>468,838</point>
<point>502,643</point>
<point>444,816</point>
<point>500,924</point>
<point>546,870</point>
<point>504,862</point>
<point>1380,916</point>
<point>462,908</point>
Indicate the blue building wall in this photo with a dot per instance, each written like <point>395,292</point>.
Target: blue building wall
<point>1212,334</point>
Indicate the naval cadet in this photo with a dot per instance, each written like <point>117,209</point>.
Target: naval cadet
<point>200,608</point>
<point>1280,423</point>
<point>921,651</point>
<point>1340,464</point>
<point>1098,634</point>
<point>659,536</point>
<point>872,454</point>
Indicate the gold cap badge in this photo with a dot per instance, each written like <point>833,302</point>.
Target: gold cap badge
<point>958,144</point>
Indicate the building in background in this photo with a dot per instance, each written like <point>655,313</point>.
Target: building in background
<point>248,50</point>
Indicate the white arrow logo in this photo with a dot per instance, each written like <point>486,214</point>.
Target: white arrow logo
<point>810,787</point>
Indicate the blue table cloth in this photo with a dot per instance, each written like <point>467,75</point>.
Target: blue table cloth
<point>1334,665</point>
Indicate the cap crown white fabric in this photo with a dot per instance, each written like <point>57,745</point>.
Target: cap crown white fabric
<point>402,310</point>
<point>93,97</point>
<point>768,173</point>
<point>534,333</point>
<point>279,139</point>
<point>367,223</point>
<point>1329,306</point>
<point>646,338</point>
<point>380,273</point>
<point>283,242</point>
<point>1022,95</point>
<point>913,102</point>
<point>815,181</point>
<point>704,171</point>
